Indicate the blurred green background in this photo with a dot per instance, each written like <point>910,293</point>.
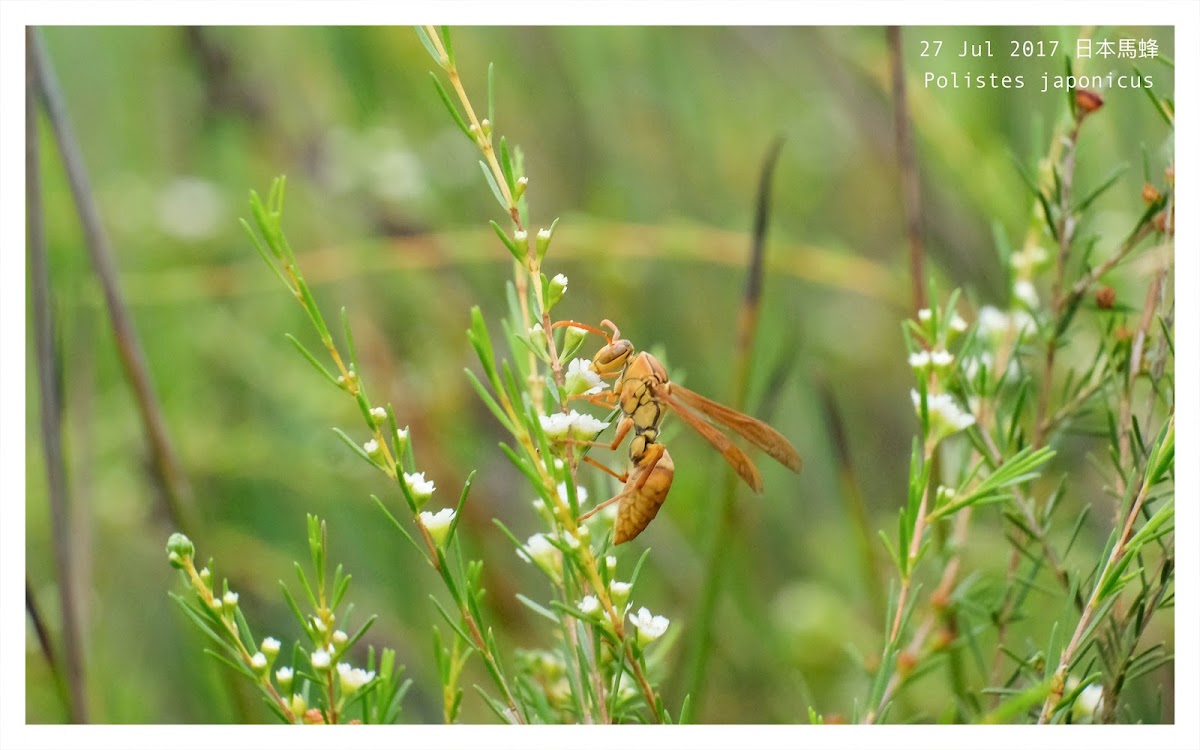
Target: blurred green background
<point>648,143</point>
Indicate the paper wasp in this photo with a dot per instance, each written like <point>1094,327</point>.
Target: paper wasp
<point>643,392</point>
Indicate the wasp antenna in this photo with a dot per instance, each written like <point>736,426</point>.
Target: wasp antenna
<point>616,334</point>
<point>585,327</point>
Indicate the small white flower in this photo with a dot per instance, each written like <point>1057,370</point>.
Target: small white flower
<point>402,434</point>
<point>941,358</point>
<point>378,413</point>
<point>438,524</point>
<point>539,551</point>
<point>352,678</point>
<point>270,646</point>
<point>520,235</point>
<point>957,324</point>
<point>944,495</point>
<point>996,326</point>
<point>619,590</point>
<point>1025,291</point>
<point>611,561</point>
<point>993,324</point>
<point>1089,702</point>
<point>420,487</point>
<point>543,234</point>
<point>581,378</point>
<point>589,605</point>
<point>320,659</point>
<point>283,676</point>
<point>649,627</point>
<point>924,314</point>
<point>259,661</point>
<point>230,599</point>
<point>536,330</point>
<point>1027,260</point>
<point>371,447</point>
<point>586,427</point>
<point>539,505</point>
<point>560,280</point>
<point>319,625</point>
<point>919,360</point>
<point>581,493</point>
<point>945,417</point>
<point>339,637</point>
<point>557,425</point>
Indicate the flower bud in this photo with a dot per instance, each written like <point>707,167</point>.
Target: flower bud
<point>543,242</point>
<point>1105,297</point>
<point>378,415</point>
<point>556,290</point>
<point>284,676</point>
<point>619,591</point>
<point>179,548</point>
<point>1087,102</point>
<point>438,524</point>
<point>572,339</point>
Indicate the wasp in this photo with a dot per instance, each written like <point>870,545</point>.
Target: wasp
<point>643,392</point>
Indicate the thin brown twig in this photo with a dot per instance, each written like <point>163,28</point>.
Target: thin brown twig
<point>50,412</point>
<point>910,184</point>
<point>177,492</point>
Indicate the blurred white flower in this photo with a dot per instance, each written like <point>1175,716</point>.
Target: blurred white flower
<point>320,659</point>
<point>945,416</point>
<point>1025,291</point>
<point>352,678</point>
<point>191,209</point>
<point>581,493</point>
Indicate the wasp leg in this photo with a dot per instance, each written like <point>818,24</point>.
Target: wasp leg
<point>606,503</point>
<point>622,478</point>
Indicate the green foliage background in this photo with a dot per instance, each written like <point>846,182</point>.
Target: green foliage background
<point>648,142</point>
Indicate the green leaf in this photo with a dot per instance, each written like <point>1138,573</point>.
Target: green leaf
<point>358,449</point>
<point>453,110</point>
<point>538,608</point>
<point>1105,184</point>
<point>1013,708</point>
<point>311,359</point>
<point>491,95</point>
<point>428,44</point>
<point>491,181</point>
<point>490,402</point>
<point>506,167</point>
<point>509,243</point>
<point>445,33</point>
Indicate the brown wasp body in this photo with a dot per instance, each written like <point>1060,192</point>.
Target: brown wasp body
<point>643,392</point>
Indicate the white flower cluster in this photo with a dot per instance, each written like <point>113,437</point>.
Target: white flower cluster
<point>559,426</point>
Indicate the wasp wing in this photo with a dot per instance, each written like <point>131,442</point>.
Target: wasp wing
<point>734,455</point>
<point>762,435</point>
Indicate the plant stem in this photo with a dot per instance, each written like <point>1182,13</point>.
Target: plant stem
<point>1118,550</point>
